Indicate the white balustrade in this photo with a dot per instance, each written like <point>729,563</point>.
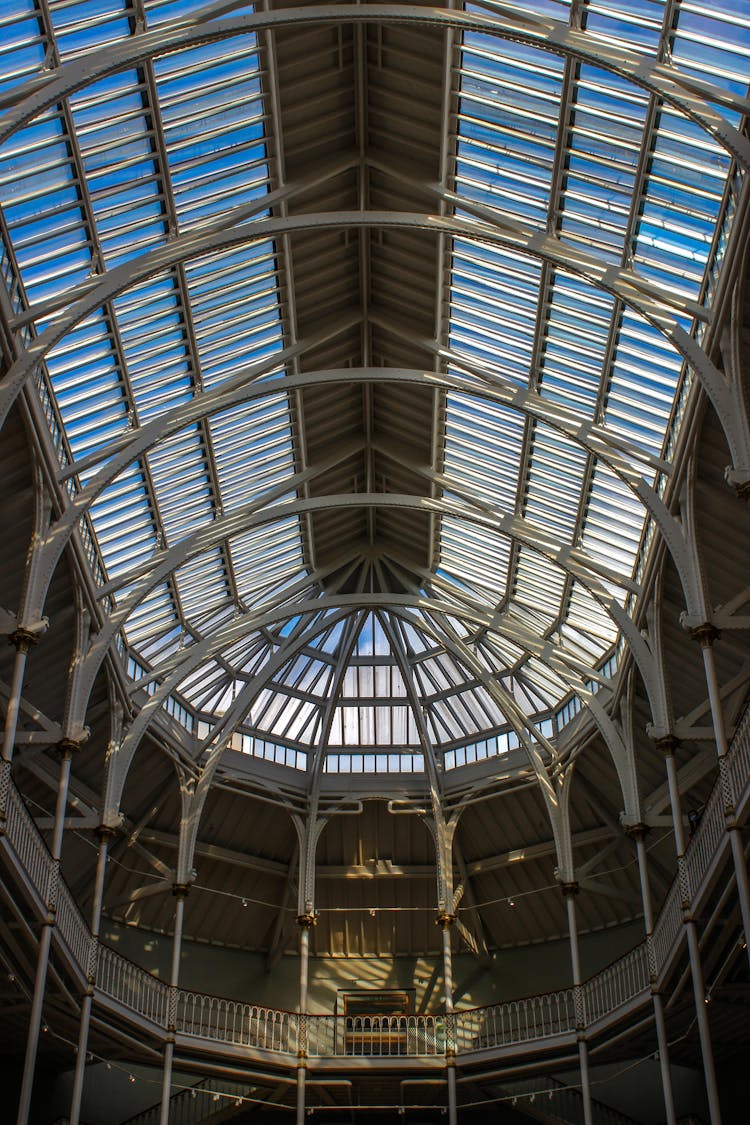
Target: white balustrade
<point>235,1022</point>
<point>516,1021</point>
<point>240,1024</point>
<point>614,986</point>
<point>28,844</point>
<point>739,757</point>
<point>415,1036</point>
<point>706,840</point>
<point>668,926</point>
<point>132,986</point>
<point>72,926</point>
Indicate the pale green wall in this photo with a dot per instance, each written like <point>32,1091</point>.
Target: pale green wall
<point>515,972</point>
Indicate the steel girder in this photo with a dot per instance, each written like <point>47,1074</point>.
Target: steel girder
<point>131,445</point>
<point>555,40</point>
<point>572,560</point>
<point>326,611</point>
<point>124,450</point>
<point>695,98</point>
<point>656,306</point>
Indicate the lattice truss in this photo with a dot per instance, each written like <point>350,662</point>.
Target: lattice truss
<point>590,174</point>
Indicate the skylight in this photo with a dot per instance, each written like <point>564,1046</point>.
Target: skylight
<point>260,619</point>
<point>122,167</point>
<point>579,152</point>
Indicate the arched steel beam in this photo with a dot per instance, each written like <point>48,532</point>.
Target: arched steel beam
<point>588,434</point>
<point>689,95</point>
<point>119,759</point>
<point>126,448</point>
<point>529,402</point>
<point>621,282</point>
<point>441,829</point>
<point>560,662</point>
<point>571,673</point>
<point>656,306</point>
<point>347,645</point>
<point>247,386</point>
<point>325,612</point>
<point>609,278</point>
<point>549,653</point>
<point>555,790</point>
<point>428,750</point>
<point>568,670</point>
<point>671,529</point>
<point>89,666</point>
<point>554,796</point>
<point>215,745</point>
<point>614,743</point>
<point>234,713</point>
<point>572,560</point>
<point>333,607</point>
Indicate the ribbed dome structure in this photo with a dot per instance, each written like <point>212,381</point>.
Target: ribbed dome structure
<point>374,467</point>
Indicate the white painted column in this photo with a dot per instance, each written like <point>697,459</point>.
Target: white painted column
<point>85,1023</point>
<point>305,923</point>
<point>42,964</point>
<point>445,921</point>
<point>638,832</point>
<point>180,891</point>
<point>570,890</point>
<point>23,642</point>
<point>706,635</point>
<point>667,745</point>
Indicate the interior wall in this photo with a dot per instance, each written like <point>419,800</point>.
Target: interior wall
<point>512,973</point>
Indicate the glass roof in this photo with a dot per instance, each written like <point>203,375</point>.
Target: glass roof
<point>205,541</point>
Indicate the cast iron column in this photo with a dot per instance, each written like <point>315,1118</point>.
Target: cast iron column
<point>570,890</point>
<point>180,892</point>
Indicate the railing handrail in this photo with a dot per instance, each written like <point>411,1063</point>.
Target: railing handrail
<point>567,988</point>
<point>630,953</point>
<point>181,991</point>
<point>108,951</point>
<point>35,842</point>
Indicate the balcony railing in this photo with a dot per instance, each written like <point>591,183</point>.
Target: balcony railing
<point>241,1025</point>
<point>132,987</point>
<point>416,1036</point>
<point>619,983</point>
<point>530,1020</point>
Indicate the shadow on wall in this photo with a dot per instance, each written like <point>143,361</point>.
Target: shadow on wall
<point>634,1088</point>
<point>242,976</point>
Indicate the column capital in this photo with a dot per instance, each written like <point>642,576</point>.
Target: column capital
<point>569,888</point>
<point>635,829</point>
<point>444,919</point>
<point>105,831</point>
<point>666,744</point>
<point>22,638</point>
<point>705,634</point>
<point>739,480</point>
<point>69,747</point>
<point>308,920</point>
